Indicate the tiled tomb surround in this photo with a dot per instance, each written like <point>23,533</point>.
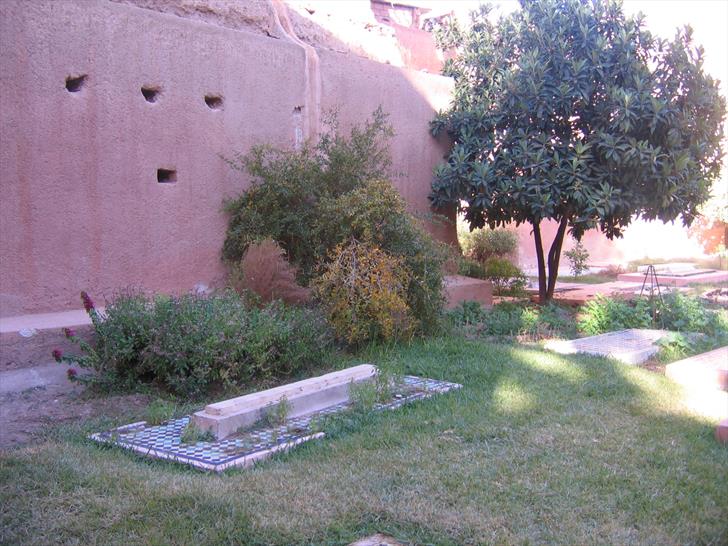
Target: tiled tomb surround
<point>244,449</point>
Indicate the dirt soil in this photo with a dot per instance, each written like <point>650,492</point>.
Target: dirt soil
<point>23,415</point>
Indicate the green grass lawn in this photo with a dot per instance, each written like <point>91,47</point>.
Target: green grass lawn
<point>535,449</point>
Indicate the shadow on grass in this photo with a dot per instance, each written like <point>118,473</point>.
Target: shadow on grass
<point>536,447</point>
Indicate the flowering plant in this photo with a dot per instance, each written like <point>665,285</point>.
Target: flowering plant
<point>90,358</point>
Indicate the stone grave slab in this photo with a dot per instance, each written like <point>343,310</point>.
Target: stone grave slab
<point>680,278</point>
<point>247,447</point>
<point>704,371</point>
<point>224,418</point>
<point>632,346</point>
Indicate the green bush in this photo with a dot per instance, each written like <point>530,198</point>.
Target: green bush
<point>577,257</point>
<point>603,314</point>
<point>315,199</point>
<point>482,244</point>
<point>189,344</point>
<point>289,187</point>
<point>507,278</point>
<point>697,328</point>
<point>685,313</point>
<point>160,411</point>
<point>471,268</point>
<point>677,312</point>
<point>514,319</point>
<point>374,213</point>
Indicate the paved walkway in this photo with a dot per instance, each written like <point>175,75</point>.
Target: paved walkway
<point>573,293</point>
<point>32,378</point>
<point>34,398</point>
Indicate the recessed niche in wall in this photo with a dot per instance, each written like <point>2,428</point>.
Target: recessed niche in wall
<point>166,176</point>
<point>75,83</point>
<point>151,94</point>
<point>214,102</point>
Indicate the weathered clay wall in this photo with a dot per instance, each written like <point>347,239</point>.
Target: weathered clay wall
<point>378,31</point>
<point>357,86</point>
<point>81,204</point>
<point>655,240</point>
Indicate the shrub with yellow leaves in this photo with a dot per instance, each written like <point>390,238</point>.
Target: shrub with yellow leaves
<point>364,293</point>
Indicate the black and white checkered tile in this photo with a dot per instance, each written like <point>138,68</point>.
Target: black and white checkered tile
<point>164,441</point>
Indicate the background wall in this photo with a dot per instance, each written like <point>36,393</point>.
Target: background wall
<point>81,206</point>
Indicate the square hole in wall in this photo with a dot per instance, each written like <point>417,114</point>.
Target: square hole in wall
<point>74,84</point>
<point>166,176</point>
<point>214,102</point>
<point>151,94</point>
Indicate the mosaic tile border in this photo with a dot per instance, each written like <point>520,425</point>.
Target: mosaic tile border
<point>242,450</point>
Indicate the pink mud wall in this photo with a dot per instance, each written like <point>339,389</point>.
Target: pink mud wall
<point>600,249</point>
<point>357,86</point>
<point>81,208</point>
<point>642,239</point>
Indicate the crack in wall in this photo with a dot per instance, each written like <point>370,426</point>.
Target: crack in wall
<point>311,115</point>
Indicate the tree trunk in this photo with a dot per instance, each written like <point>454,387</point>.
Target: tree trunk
<point>555,257</point>
<point>541,264</point>
<point>546,284</point>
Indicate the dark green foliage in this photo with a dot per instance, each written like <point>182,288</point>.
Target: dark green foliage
<point>284,202</point>
<point>569,111</point>
<point>471,268</point>
<point>312,200</point>
<point>481,244</point>
<point>685,313</point>
<point>190,343</point>
<point>507,279</point>
<point>513,319</point>
<point>603,314</point>
<point>677,312</point>
<point>375,213</point>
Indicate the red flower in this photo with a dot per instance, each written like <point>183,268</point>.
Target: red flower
<point>88,305</point>
<point>57,354</point>
<point>69,333</point>
<point>71,373</point>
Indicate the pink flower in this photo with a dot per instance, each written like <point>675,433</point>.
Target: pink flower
<point>88,305</point>
<point>57,354</point>
<point>71,373</point>
<point>69,333</point>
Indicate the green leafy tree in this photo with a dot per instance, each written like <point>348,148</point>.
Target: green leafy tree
<point>568,110</point>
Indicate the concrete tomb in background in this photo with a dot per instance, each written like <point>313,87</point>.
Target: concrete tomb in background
<point>631,346</point>
<point>677,274</point>
<point>704,371</point>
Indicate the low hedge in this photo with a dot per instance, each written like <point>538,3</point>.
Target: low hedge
<point>189,344</point>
